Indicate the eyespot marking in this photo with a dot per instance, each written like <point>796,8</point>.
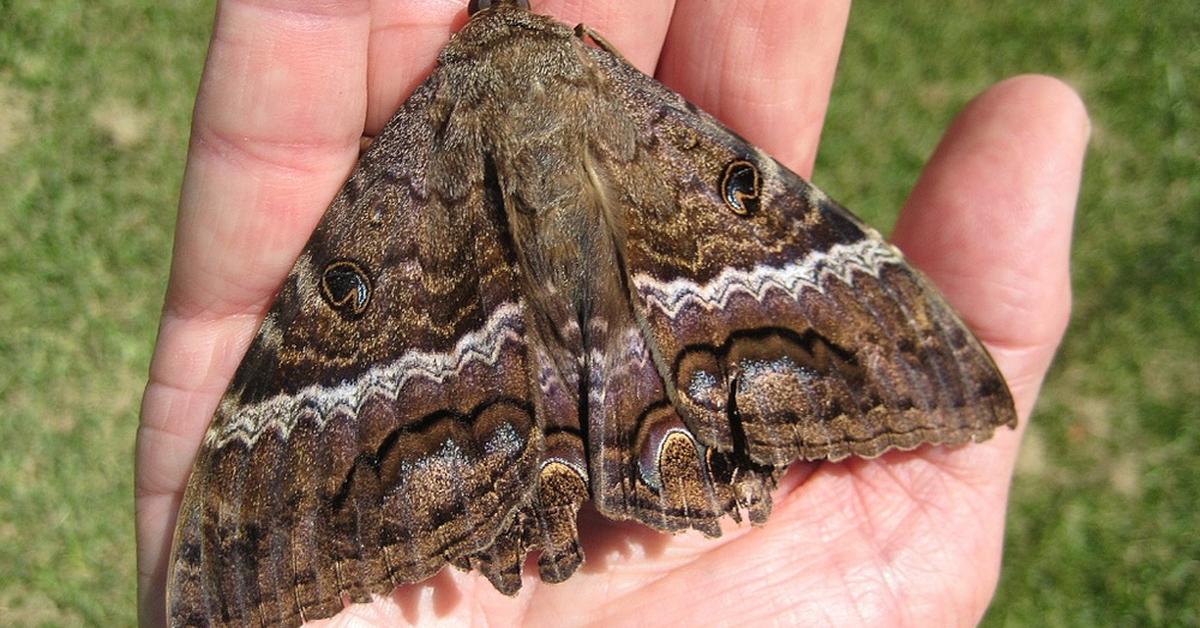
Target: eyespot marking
<point>741,187</point>
<point>346,287</point>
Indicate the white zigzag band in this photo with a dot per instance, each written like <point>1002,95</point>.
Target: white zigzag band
<point>281,412</point>
<point>841,261</point>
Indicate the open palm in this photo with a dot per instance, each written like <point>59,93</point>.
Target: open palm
<point>910,538</point>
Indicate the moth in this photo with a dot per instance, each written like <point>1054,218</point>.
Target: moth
<point>552,279</point>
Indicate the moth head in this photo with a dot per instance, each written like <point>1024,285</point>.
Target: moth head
<point>741,187</point>
<point>475,6</point>
<point>346,287</point>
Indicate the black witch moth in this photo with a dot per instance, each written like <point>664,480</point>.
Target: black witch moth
<point>552,279</point>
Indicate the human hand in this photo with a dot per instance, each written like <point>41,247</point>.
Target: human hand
<point>907,538</point>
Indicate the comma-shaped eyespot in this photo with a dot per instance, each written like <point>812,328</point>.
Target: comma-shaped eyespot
<point>741,186</point>
<point>346,287</point>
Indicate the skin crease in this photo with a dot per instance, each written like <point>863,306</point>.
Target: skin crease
<point>289,88</point>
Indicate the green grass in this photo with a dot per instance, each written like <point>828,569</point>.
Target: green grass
<point>94,106</point>
<point>95,101</point>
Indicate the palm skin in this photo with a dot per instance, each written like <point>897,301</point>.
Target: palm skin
<point>289,89</point>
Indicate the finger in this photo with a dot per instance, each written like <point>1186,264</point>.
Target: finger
<point>990,221</point>
<point>763,67</point>
<point>404,43</point>
<point>636,29</point>
<point>406,37</point>
<point>275,131</point>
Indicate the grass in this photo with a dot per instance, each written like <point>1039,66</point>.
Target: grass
<point>95,101</point>
<point>94,106</point>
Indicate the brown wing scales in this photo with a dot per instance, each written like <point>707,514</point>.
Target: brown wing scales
<point>552,279</point>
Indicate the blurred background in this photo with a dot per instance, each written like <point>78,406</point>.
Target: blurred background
<point>95,100</point>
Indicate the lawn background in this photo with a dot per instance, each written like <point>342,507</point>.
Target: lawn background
<point>95,99</point>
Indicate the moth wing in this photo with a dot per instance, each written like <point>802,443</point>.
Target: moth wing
<point>380,424</point>
<point>782,328</point>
